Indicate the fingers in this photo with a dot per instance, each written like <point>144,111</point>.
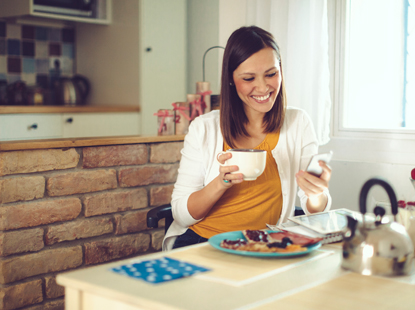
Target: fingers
<point>225,175</point>
<point>222,157</point>
<point>312,185</point>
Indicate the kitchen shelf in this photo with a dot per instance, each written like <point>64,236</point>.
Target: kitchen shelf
<point>24,9</point>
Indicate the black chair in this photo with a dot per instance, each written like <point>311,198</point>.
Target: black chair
<point>164,212</point>
<point>158,213</point>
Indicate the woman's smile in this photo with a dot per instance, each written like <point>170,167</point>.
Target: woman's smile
<point>262,99</point>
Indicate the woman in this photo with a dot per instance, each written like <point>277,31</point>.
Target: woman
<point>207,199</point>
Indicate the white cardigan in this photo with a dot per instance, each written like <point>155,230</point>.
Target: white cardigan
<point>198,165</point>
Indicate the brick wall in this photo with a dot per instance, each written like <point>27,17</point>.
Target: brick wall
<point>64,209</point>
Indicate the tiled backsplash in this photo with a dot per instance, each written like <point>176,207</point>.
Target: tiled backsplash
<point>34,54</point>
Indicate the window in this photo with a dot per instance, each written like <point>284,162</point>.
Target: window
<point>379,68</point>
<point>372,65</point>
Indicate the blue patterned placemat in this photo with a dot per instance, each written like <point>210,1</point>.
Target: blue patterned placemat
<point>159,270</point>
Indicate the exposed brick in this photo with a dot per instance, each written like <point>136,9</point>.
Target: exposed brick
<point>49,305</point>
<point>117,155</point>
<point>21,267</point>
<point>157,239</point>
<point>145,175</point>
<point>165,152</point>
<point>39,213</point>
<point>28,240</point>
<point>130,222</point>
<point>160,195</point>
<point>112,202</point>
<point>37,160</point>
<point>21,295</point>
<point>53,289</point>
<point>81,182</point>
<point>79,229</point>
<point>113,248</point>
<point>17,189</point>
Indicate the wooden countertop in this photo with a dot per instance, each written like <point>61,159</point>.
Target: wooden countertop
<point>20,145</point>
<point>240,282</point>
<point>66,109</point>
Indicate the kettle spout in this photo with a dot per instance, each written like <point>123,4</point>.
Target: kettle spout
<point>351,228</point>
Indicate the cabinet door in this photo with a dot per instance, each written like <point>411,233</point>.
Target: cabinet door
<point>163,58</point>
<point>30,126</point>
<point>100,124</point>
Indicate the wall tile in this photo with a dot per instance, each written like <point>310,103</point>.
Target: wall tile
<point>2,29</point>
<point>68,35</point>
<point>41,33</point>
<point>3,64</point>
<point>29,65</point>
<point>28,48</point>
<point>41,50</point>
<point>13,47</point>
<point>2,47</point>
<point>42,66</point>
<point>14,65</point>
<point>13,77</point>
<point>67,66</point>
<point>28,32</point>
<point>14,31</point>
<point>68,50</point>
<point>29,78</point>
<point>55,49</point>
<point>55,34</point>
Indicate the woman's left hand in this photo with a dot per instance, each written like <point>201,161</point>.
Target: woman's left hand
<point>314,187</point>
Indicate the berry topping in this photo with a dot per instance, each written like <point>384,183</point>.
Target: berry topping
<point>401,203</point>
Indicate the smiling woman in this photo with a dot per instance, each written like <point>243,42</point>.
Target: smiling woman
<point>210,197</point>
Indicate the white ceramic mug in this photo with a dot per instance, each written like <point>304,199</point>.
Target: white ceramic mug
<point>251,163</point>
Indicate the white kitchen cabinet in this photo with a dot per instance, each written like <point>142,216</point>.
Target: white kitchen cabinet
<point>139,60</point>
<point>30,126</point>
<point>26,9</point>
<point>68,125</point>
<point>100,124</point>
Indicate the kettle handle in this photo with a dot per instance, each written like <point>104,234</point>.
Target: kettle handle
<point>83,85</point>
<point>388,188</point>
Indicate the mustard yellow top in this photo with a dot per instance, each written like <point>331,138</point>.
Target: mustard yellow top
<point>250,204</point>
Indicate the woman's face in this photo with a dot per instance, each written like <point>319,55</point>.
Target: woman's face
<point>258,81</point>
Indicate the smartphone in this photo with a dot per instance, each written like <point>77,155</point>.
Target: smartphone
<point>313,166</point>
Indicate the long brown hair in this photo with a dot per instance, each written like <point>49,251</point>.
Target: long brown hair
<point>242,44</point>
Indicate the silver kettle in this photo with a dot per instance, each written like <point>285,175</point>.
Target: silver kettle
<point>72,91</point>
<point>373,247</point>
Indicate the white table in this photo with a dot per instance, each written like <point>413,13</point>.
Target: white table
<point>315,281</point>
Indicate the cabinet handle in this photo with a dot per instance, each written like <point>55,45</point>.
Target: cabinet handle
<point>148,49</point>
<point>33,126</point>
<point>69,120</point>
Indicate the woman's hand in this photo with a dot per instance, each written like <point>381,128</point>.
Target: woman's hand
<point>225,177</point>
<point>314,187</point>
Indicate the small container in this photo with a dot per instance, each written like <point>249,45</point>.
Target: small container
<point>35,96</point>
<point>182,117</point>
<point>203,88</point>
<point>196,105</point>
<point>165,122</point>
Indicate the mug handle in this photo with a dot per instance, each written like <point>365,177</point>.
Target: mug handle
<point>217,158</point>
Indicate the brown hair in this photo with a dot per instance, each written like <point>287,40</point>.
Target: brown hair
<point>243,43</point>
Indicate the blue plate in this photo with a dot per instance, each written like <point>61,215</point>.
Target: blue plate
<point>234,235</point>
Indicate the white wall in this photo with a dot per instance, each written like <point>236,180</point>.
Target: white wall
<point>202,33</point>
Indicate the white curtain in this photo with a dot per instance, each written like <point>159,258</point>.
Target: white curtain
<point>301,29</point>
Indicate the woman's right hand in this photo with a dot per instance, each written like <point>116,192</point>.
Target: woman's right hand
<point>225,177</point>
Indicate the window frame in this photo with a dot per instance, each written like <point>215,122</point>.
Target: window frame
<point>353,144</point>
